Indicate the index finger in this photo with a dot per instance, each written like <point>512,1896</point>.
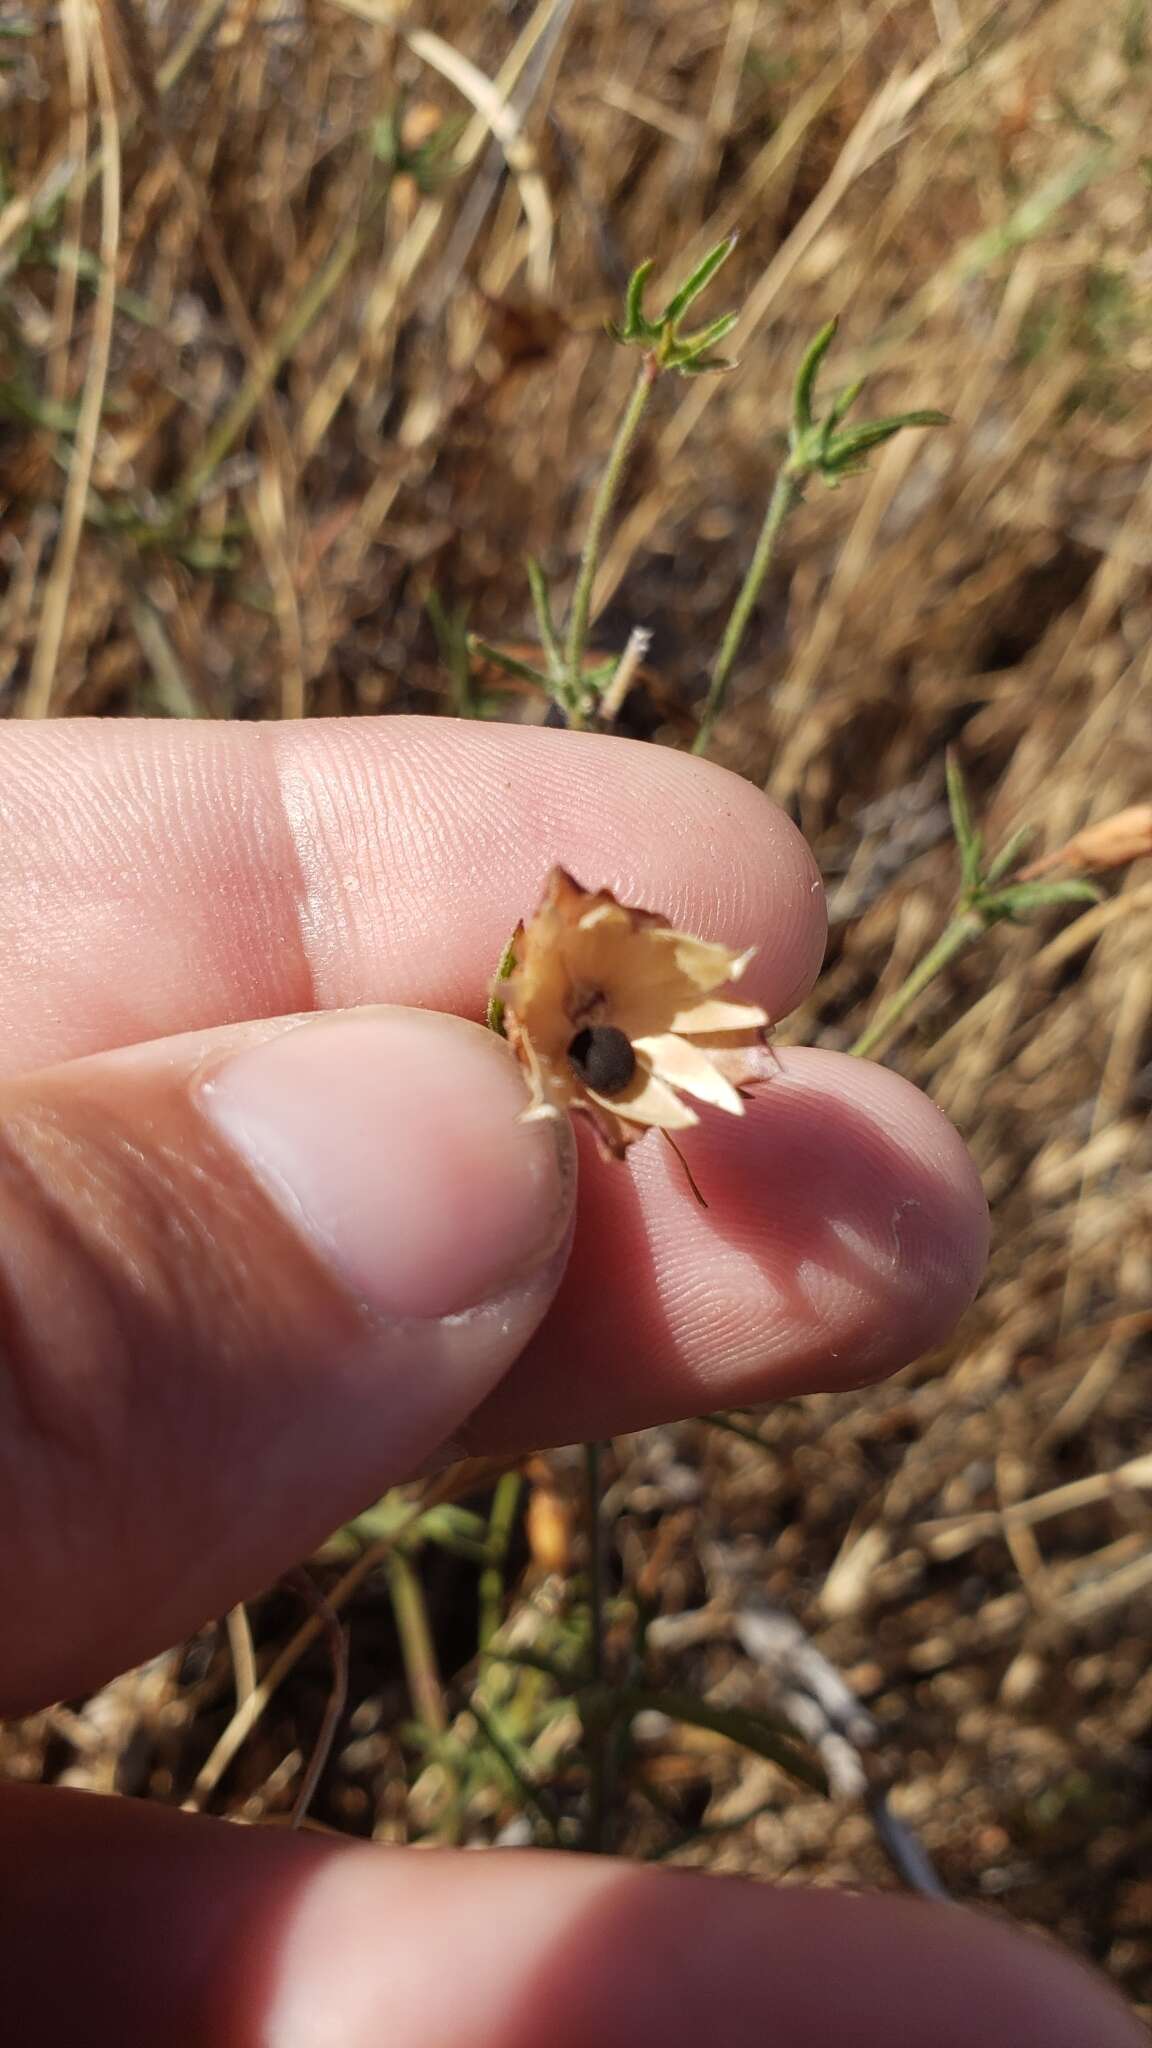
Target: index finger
<point>158,878</point>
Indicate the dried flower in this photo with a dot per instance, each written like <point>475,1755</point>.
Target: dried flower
<point>1110,843</point>
<point>614,1014</point>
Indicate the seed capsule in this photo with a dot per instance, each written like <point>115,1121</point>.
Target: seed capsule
<point>603,1058</point>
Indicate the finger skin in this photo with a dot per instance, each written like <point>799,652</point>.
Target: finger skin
<point>160,877</point>
<point>846,1231</point>
<point>205,1365</point>
<point>156,877</point>
<point>193,1392</point>
<point>201,1935</point>
<point>153,874</point>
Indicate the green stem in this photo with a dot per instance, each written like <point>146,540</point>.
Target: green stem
<point>786,495</point>
<point>508,663</point>
<point>260,376</point>
<point>416,1645</point>
<point>542,605</point>
<point>593,1479</point>
<point>957,936</point>
<point>746,1435</point>
<point>501,1522</point>
<point>577,633</point>
<point>751,1731</point>
<point>518,1768</point>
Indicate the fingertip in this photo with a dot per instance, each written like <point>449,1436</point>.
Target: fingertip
<point>663,830</point>
<point>570,1951</point>
<point>916,1202</point>
<point>851,1218</point>
<point>200,1934</point>
<point>759,885</point>
<point>844,1235</point>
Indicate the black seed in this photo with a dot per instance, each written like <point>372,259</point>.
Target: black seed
<point>603,1057</point>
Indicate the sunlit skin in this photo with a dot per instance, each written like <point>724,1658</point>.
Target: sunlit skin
<point>255,1268</point>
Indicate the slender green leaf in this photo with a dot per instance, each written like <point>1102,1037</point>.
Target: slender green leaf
<point>634,324</point>
<point>857,441</point>
<point>968,839</point>
<point>507,662</point>
<point>692,287</point>
<point>542,605</point>
<point>1025,897</point>
<point>804,388</point>
<point>451,630</point>
<point>1009,853</point>
<point>843,402</point>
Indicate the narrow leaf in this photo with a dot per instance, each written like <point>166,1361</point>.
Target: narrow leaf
<point>707,337</point>
<point>1029,896</point>
<point>507,662</point>
<point>697,366</point>
<point>968,838</point>
<point>806,375</point>
<point>1009,853</point>
<point>634,322</point>
<point>451,633</point>
<point>542,605</point>
<point>843,402</point>
<point>692,287</point>
<point>856,441</point>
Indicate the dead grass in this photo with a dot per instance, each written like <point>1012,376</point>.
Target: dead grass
<point>336,380</point>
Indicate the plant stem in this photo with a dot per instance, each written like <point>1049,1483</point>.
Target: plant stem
<point>786,495</point>
<point>542,605</point>
<point>965,927</point>
<point>752,1731</point>
<point>593,1479</point>
<point>508,663</point>
<point>599,1729</point>
<point>577,632</point>
<point>416,1646</point>
<point>518,1767</point>
<point>501,1522</point>
<point>265,369</point>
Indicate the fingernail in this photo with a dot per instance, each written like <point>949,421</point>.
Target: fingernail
<point>391,1138</point>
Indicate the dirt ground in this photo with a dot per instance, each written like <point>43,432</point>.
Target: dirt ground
<point>355,369</point>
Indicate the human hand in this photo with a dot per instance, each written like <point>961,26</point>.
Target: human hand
<point>253,1272</point>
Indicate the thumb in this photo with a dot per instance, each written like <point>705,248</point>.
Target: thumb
<point>247,1279</point>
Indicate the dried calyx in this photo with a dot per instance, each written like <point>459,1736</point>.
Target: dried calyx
<point>615,1014</point>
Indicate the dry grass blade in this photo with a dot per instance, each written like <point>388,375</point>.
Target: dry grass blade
<point>403,263</point>
<point>242,1652</point>
<point>269,523</point>
<point>37,700</point>
<point>337,1642</point>
<point>956,1534</point>
<point>67,276</point>
<point>248,1713</point>
<point>500,116</point>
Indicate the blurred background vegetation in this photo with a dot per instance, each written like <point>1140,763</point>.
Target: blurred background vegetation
<point>302,349</point>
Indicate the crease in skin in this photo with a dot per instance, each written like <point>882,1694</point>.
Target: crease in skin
<point>298,825</point>
<point>423,816</point>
